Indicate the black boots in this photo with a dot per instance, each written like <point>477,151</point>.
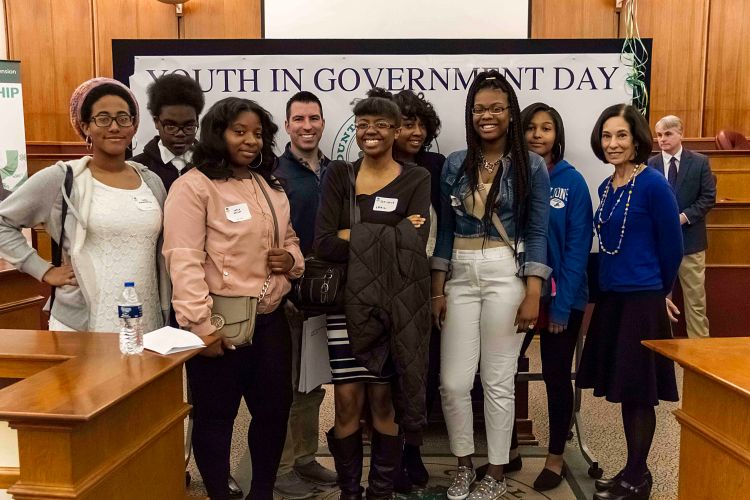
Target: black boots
<point>347,455</point>
<point>385,464</point>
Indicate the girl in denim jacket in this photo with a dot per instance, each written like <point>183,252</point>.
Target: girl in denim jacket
<point>492,236</point>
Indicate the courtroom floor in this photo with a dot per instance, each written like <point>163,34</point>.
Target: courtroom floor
<point>602,432</point>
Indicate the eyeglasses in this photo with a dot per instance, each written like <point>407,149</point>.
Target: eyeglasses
<point>173,129</point>
<point>105,120</point>
<point>494,110</point>
<point>362,126</point>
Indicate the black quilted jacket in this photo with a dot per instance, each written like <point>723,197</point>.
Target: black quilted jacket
<point>388,313</point>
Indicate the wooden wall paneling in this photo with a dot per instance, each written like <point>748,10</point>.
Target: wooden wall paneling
<point>137,19</point>
<point>678,60</point>
<point>222,19</point>
<point>573,19</point>
<point>54,44</point>
<point>727,245</point>
<point>727,104</point>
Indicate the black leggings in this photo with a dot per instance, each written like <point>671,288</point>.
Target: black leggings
<point>557,351</point>
<point>261,374</point>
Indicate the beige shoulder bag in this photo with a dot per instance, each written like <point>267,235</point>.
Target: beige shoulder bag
<point>234,317</point>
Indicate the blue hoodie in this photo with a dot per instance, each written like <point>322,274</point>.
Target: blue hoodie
<point>569,237</point>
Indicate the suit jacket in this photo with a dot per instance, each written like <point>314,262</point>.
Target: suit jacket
<point>695,190</point>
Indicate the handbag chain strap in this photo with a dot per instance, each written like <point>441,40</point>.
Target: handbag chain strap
<point>276,236</point>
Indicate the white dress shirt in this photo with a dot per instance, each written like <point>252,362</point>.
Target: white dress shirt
<point>178,161</point>
<point>666,157</point>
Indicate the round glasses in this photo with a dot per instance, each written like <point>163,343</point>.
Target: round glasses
<point>105,120</point>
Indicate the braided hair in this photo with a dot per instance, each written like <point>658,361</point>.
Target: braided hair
<point>515,147</point>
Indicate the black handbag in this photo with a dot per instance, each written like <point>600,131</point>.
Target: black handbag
<point>57,248</point>
<point>321,288</point>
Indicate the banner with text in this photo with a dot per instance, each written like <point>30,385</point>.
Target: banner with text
<point>12,132</point>
<point>578,85</point>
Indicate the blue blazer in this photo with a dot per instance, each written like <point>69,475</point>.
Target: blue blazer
<point>695,190</point>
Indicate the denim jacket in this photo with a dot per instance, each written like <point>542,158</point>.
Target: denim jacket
<point>456,221</point>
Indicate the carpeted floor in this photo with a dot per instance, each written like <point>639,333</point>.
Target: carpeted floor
<point>602,433</point>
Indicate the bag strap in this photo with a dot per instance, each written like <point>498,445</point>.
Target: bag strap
<point>57,248</point>
<point>276,228</point>
<point>353,207</point>
<point>496,221</point>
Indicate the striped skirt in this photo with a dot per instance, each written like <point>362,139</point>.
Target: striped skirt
<point>345,368</point>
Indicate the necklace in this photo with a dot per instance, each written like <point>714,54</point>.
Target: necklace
<point>599,220</point>
<point>487,165</point>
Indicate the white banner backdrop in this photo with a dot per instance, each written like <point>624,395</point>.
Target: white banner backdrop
<point>578,85</point>
<point>12,131</point>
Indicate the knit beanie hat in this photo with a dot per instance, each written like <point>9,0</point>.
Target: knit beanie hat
<point>80,94</point>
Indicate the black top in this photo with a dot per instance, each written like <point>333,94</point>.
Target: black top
<point>151,158</point>
<point>433,162</point>
<point>407,194</point>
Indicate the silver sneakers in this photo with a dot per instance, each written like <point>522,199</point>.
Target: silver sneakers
<point>489,489</point>
<point>461,484</point>
<point>292,487</point>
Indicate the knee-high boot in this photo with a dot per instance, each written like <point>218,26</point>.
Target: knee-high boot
<point>385,462</point>
<point>347,455</point>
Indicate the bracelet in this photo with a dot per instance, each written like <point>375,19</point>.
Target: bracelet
<point>436,297</point>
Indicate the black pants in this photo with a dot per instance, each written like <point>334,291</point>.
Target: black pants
<point>259,373</point>
<point>557,351</point>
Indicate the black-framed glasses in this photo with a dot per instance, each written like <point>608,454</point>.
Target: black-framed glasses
<point>494,110</point>
<point>105,120</point>
<point>174,129</point>
<point>382,125</point>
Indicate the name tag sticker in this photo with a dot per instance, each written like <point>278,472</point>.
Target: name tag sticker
<point>238,213</point>
<point>145,203</point>
<point>385,204</point>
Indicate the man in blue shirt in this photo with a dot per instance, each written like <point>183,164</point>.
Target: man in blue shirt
<point>299,170</point>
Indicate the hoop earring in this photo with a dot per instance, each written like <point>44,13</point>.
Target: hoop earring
<point>260,162</point>
<point>89,142</point>
<point>133,144</point>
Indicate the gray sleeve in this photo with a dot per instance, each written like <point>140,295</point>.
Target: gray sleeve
<point>29,205</point>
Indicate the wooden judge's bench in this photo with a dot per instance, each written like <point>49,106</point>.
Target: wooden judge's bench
<point>91,423</point>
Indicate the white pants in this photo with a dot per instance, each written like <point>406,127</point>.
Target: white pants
<point>483,298</point>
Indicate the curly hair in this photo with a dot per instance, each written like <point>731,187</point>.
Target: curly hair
<point>558,148</point>
<point>515,146</point>
<point>414,106</point>
<point>211,155</point>
<point>175,90</point>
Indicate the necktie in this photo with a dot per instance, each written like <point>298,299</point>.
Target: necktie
<point>672,176</point>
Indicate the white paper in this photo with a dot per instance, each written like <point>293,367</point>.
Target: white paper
<point>238,213</point>
<point>315,366</point>
<point>168,340</point>
<point>383,204</point>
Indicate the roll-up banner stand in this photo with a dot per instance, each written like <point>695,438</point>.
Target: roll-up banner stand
<point>12,131</point>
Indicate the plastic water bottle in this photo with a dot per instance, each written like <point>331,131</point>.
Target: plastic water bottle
<point>130,311</point>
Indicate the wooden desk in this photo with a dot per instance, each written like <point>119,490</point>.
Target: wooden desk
<point>91,423</point>
<point>715,416</point>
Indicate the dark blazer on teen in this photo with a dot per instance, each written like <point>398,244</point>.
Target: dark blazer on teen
<point>695,190</point>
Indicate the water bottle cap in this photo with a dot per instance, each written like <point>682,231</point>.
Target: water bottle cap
<point>129,284</point>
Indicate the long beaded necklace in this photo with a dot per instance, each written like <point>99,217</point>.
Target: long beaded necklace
<point>600,221</point>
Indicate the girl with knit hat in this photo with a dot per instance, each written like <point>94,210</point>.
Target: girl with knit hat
<point>112,231</point>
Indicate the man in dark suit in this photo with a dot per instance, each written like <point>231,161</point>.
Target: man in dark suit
<point>690,176</point>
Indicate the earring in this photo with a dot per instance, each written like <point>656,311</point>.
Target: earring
<point>89,143</point>
<point>260,162</point>
<point>134,144</point>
